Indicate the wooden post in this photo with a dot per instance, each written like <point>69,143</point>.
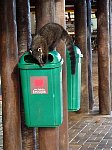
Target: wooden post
<point>9,57</point>
<point>110,33</point>
<point>63,129</point>
<point>90,85</point>
<point>24,43</point>
<point>45,12</point>
<point>104,57</point>
<point>48,137</point>
<point>23,25</point>
<point>81,42</point>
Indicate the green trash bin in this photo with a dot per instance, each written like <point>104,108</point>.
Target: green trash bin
<point>42,90</point>
<point>74,81</point>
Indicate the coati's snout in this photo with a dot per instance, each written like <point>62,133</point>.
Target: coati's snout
<point>40,56</point>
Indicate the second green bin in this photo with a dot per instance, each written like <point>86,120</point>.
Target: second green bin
<point>74,81</point>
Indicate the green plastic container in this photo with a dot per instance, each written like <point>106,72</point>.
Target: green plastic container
<point>42,90</point>
<point>74,81</point>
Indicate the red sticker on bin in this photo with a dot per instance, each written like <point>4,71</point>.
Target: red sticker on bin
<point>39,85</point>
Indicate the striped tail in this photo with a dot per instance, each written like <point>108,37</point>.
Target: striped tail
<point>70,47</point>
<point>72,58</point>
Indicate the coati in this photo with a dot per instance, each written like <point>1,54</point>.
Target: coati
<point>47,39</point>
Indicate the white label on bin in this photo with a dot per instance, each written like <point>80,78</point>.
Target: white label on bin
<point>39,85</point>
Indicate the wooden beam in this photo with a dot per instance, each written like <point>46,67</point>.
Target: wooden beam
<point>9,57</point>
<point>63,129</point>
<point>104,57</point>
<point>23,25</point>
<point>90,82</point>
<point>45,12</point>
<point>81,42</point>
<point>48,137</point>
<point>24,43</point>
<point>110,26</point>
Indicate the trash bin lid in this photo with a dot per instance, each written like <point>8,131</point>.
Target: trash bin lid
<point>28,62</point>
<point>77,52</point>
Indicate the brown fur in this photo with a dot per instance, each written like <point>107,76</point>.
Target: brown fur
<point>47,39</point>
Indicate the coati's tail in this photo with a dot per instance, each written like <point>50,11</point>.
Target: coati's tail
<point>70,47</point>
<point>72,58</point>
